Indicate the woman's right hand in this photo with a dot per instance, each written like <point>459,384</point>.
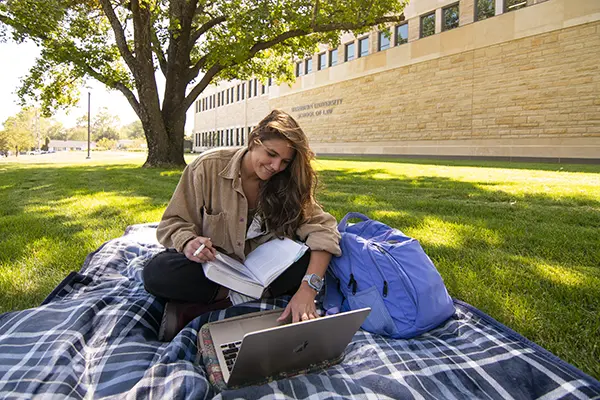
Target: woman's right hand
<point>207,254</point>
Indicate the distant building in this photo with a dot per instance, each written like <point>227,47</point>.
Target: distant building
<point>69,145</point>
<point>504,79</point>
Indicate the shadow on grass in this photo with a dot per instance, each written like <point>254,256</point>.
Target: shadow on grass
<point>51,218</point>
<point>531,261</point>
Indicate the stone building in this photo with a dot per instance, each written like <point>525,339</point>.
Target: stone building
<point>504,79</point>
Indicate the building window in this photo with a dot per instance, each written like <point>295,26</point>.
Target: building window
<point>255,87</point>
<point>384,41</point>
<point>250,88</point>
<point>484,9</point>
<point>450,17</point>
<point>363,46</point>
<point>322,61</point>
<point>308,66</point>
<point>333,57</point>
<point>511,5</point>
<point>238,93</point>
<point>299,68</point>
<point>350,53</point>
<point>263,88</point>
<point>270,81</point>
<point>428,25</point>
<point>401,34</point>
<point>227,97</point>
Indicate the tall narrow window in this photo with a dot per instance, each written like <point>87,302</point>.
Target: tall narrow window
<point>511,5</point>
<point>450,17</point>
<point>243,90</point>
<point>350,53</point>
<point>401,34</point>
<point>299,68</point>
<point>384,41</point>
<point>363,46</point>
<point>428,25</point>
<point>227,97</point>
<point>238,93</point>
<point>333,57</point>
<point>308,66</point>
<point>322,61</point>
<point>264,88</point>
<point>255,87</point>
<point>250,89</point>
<point>270,81</point>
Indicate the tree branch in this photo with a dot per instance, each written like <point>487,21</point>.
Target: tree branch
<point>195,70</point>
<point>342,26</point>
<point>157,49</point>
<point>119,34</point>
<point>133,101</point>
<point>215,69</point>
<point>200,86</point>
<point>205,28</point>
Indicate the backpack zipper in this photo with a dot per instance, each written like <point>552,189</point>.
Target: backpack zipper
<point>400,270</point>
<point>385,283</point>
<point>352,283</point>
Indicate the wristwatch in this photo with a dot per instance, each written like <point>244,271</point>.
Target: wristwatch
<point>314,281</point>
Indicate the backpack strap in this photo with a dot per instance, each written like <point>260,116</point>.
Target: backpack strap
<point>344,222</point>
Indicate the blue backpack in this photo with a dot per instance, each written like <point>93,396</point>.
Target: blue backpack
<point>386,270</point>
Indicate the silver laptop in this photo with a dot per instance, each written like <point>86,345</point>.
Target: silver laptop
<point>253,348</point>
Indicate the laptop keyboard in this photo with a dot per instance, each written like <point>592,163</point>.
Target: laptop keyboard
<point>230,352</point>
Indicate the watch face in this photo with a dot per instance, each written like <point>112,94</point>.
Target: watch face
<point>315,281</point>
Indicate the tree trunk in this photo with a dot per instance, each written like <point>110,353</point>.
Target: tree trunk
<point>165,142</point>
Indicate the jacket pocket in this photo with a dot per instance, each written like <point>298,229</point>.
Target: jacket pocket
<point>214,226</point>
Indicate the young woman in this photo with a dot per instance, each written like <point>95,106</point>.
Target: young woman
<point>234,199</point>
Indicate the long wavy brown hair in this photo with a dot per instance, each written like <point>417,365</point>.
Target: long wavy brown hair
<point>284,200</point>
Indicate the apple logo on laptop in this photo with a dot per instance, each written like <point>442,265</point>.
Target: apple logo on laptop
<point>301,347</point>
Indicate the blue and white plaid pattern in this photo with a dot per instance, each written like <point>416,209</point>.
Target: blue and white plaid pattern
<point>95,337</point>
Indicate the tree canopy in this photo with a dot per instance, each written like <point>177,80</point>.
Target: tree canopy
<point>192,43</point>
<point>22,131</point>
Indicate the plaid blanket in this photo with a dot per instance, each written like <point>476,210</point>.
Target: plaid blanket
<point>95,337</point>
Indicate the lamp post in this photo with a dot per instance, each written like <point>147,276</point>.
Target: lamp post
<point>89,98</point>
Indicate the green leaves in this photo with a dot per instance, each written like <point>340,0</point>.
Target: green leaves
<point>122,44</point>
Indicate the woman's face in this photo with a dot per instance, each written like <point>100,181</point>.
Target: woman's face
<point>270,157</point>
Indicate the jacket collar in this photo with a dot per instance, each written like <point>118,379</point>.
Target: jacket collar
<point>233,169</point>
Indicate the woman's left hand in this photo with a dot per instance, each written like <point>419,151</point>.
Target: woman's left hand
<point>301,306</point>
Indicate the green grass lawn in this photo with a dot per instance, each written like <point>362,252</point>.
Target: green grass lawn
<point>521,242</point>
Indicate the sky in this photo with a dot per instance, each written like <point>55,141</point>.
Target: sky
<point>17,59</point>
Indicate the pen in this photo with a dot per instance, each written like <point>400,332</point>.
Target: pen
<point>202,246</point>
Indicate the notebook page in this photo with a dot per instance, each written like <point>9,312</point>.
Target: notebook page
<point>235,265</point>
<point>270,259</point>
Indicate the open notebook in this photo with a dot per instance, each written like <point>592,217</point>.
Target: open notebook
<point>261,267</point>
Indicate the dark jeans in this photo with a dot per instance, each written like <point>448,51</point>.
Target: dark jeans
<point>172,276</point>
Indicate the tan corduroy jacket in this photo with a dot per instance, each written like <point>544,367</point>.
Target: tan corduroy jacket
<point>209,201</point>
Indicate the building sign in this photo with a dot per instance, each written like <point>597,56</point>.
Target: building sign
<point>316,109</point>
